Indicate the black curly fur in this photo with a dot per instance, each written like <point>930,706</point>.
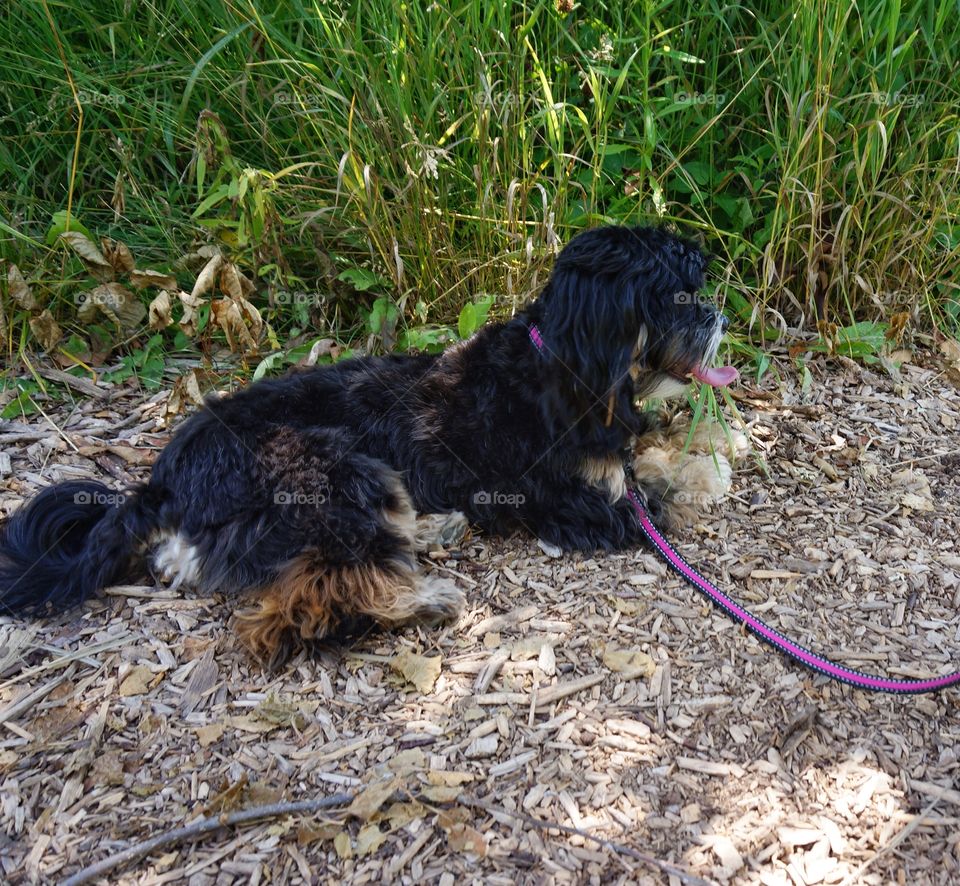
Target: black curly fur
<point>312,461</point>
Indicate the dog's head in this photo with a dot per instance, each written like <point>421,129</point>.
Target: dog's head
<point>621,319</point>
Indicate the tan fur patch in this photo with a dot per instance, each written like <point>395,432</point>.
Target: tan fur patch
<point>694,479</point>
<point>401,518</point>
<point>307,601</point>
<point>607,474</point>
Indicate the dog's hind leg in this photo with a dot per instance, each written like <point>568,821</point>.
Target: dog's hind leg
<point>356,564</point>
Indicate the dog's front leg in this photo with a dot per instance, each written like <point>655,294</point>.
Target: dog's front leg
<point>572,515</point>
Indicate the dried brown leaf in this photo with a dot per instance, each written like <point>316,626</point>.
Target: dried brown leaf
<point>137,681</point>
<point>210,734</point>
<point>419,670</point>
<point>240,322</point>
<point>281,712</point>
<point>160,312</point>
<point>632,663</point>
<point>342,845</point>
<point>191,305</point>
<point>46,330</point>
<point>445,777</point>
<point>107,768</point>
<point>118,255</point>
<point>92,258</point>
<point>370,839</point>
<point>20,290</point>
<point>186,391</point>
<point>143,279</point>
<point>440,794</point>
<point>115,302</point>
<point>230,281</point>
<point>308,835</point>
<point>371,798</point>
<point>206,277</point>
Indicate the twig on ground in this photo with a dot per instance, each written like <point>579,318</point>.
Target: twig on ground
<point>201,827</point>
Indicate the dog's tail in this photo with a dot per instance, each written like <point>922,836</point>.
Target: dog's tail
<point>70,541</point>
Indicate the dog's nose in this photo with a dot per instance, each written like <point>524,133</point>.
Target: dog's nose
<point>724,322</point>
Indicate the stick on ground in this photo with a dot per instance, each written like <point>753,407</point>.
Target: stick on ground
<point>201,827</point>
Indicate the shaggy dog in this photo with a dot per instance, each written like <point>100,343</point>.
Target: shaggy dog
<point>302,494</point>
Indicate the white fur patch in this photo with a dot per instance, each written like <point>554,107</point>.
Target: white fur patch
<point>438,599</point>
<point>175,561</point>
<point>666,388</point>
<point>445,530</point>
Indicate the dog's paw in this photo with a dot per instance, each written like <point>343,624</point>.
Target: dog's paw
<point>705,476</point>
<point>174,561</point>
<point>445,530</point>
<point>438,599</point>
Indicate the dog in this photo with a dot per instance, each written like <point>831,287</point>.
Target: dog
<point>301,494</point>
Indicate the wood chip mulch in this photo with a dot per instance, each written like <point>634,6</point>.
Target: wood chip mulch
<point>596,695</point>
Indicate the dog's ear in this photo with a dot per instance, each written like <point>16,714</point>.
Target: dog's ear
<point>588,316</point>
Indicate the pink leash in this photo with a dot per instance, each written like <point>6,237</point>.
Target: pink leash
<point>765,632</point>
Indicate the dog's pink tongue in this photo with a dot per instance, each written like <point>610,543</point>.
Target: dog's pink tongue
<point>716,377</point>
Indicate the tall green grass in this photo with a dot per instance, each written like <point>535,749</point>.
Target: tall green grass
<point>450,149</point>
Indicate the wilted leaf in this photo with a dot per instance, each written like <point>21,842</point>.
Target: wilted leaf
<point>370,839</point>
<point>632,663</point>
<point>160,313</point>
<point>92,258</point>
<point>405,762</point>
<point>118,255</point>
<point>185,391</point>
<point>463,838</point>
<point>281,712</point>
<point>210,734</point>
<point>916,502</point>
<point>371,798</point>
<point>143,279</point>
<point>19,289</point>
<point>191,304</point>
<point>328,831</point>
<point>240,322</point>
<point>207,276</point>
<point>418,669</point>
<point>115,302</point>
<point>401,814</point>
<point>108,768</point>
<point>45,330</point>
<point>950,348</point>
<point>250,723</point>
<point>440,794</point>
<point>342,844</point>
<point>230,281</point>
<point>443,777</point>
<point>137,681</point>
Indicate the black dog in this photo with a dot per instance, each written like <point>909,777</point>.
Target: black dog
<point>302,492</point>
